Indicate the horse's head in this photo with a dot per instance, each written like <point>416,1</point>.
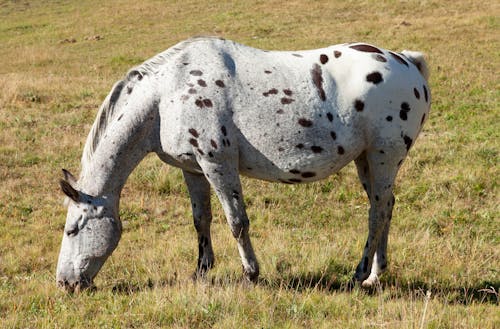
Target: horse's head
<point>91,233</point>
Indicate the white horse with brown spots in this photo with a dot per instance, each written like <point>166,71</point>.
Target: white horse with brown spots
<point>216,108</point>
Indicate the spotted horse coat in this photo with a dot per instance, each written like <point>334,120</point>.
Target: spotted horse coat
<point>217,109</point>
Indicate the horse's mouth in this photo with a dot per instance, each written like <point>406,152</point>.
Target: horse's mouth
<point>76,286</point>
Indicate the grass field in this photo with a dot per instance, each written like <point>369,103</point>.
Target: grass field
<point>59,59</point>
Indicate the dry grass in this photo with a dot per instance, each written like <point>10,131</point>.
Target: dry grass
<point>444,239</point>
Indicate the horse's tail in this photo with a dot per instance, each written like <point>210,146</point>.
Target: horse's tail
<point>102,120</point>
<point>418,59</point>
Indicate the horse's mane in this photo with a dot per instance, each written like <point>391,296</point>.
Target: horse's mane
<point>108,110</point>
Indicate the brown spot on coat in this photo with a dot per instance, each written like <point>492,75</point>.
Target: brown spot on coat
<point>417,94</point>
<point>408,142</point>
<point>323,58</point>
<point>280,111</point>
<point>305,122</point>
<point>267,72</point>
<point>207,102</point>
<point>329,116</point>
<point>299,146</point>
<point>213,143</point>
<point>220,83</point>
<point>333,135</point>
<point>316,149</point>
<point>337,53</point>
<point>199,103</point>
<point>273,91</point>
<point>366,48</point>
<point>426,96</point>
<point>308,174</point>
<point>405,108</point>
<point>340,150</point>
<point>359,105</point>
<point>202,83</point>
<point>399,58</point>
<point>286,100</point>
<point>374,77</point>
<point>193,142</point>
<point>388,118</point>
<point>192,91</point>
<point>194,132</point>
<point>288,92</point>
<point>317,77</point>
<point>196,73</point>
<point>294,171</point>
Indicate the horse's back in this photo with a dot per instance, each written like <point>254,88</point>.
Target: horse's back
<point>304,111</point>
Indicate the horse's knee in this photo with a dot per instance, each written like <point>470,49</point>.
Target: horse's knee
<point>239,227</point>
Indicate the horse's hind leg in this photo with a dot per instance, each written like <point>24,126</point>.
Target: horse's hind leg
<point>224,178</point>
<point>377,172</point>
<point>199,191</point>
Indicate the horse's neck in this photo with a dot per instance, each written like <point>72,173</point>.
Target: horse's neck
<point>124,144</point>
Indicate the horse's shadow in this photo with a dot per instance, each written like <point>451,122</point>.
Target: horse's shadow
<point>337,279</point>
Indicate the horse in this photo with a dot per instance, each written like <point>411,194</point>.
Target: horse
<point>218,109</point>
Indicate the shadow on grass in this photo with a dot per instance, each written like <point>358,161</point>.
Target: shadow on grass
<point>337,278</point>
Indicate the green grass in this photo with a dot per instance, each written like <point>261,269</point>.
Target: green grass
<point>444,241</point>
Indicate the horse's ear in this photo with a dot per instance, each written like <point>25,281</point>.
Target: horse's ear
<point>69,190</point>
<point>69,177</point>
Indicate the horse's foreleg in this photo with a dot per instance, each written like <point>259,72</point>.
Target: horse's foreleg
<point>377,173</point>
<point>226,182</point>
<point>199,191</point>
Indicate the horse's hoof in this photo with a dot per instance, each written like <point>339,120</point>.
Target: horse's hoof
<point>251,275</point>
<point>371,282</point>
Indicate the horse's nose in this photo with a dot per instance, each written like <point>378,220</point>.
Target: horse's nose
<point>73,287</point>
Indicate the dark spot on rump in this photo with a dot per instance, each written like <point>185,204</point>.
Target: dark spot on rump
<point>340,150</point>
<point>280,111</point>
<point>381,152</point>
<point>295,171</point>
<point>193,142</point>
<point>297,55</point>
<point>359,105</point>
<point>224,131</point>
<point>333,135</point>
<point>366,48</point>
<point>305,123</point>
<point>425,94</point>
<point>220,83</point>
<point>317,76</point>
<point>273,91</point>
<point>199,103</point>
<point>295,180</point>
<point>196,73</point>
<point>389,118</point>
<point>120,117</point>
<point>207,102</point>
<point>213,143</point>
<point>379,58</point>
<point>417,94</point>
<point>280,149</point>
<point>423,119</point>
<point>337,54</point>
<point>202,83</point>
<point>299,146</point>
<point>405,108</point>
<point>316,149</point>
<point>399,58</point>
<point>329,116</point>
<point>408,142</point>
<point>374,77</point>
<point>377,198</point>
<point>288,92</point>
<point>200,151</point>
<point>323,59</point>
<point>286,100</point>
<point>194,132</point>
<point>308,174</point>
<point>192,91</point>
<point>185,63</point>
<point>267,72</point>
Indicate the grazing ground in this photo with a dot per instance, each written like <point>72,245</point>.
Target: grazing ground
<point>59,59</point>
